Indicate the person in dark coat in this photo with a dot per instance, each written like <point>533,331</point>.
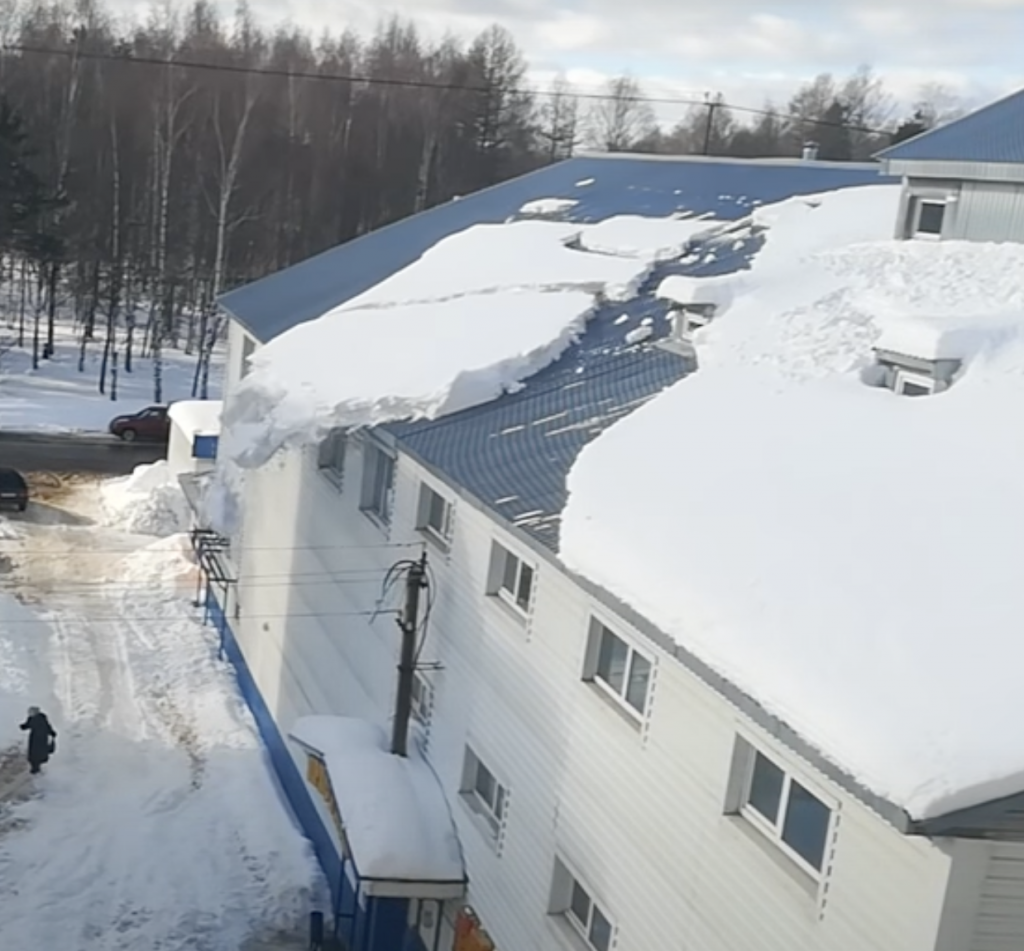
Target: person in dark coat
<point>41,737</point>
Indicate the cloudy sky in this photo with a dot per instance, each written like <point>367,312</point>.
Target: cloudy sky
<point>746,49</point>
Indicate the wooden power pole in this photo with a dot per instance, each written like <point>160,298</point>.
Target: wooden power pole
<point>415,580</point>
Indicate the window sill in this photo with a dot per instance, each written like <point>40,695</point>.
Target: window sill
<point>489,826</point>
<point>795,871</point>
<point>377,520</point>
<point>335,479</point>
<point>615,703</point>
<point>508,606</point>
<point>568,935</point>
<point>435,538</point>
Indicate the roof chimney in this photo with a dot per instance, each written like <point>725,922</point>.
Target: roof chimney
<point>810,151</point>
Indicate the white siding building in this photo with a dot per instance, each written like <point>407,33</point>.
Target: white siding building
<point>965,180</point>
<point>640,796</point>
<point>609,790</point>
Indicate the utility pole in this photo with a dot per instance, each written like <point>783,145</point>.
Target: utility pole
<point>408,623</point>
<point>712,105</point>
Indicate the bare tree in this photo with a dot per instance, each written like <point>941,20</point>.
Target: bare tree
<point>616,123</point>
<point>558,121</point>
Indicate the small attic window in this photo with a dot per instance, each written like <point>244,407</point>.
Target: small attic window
<point>912,384</point>
<point>910,376</point>
<point>929,216</point>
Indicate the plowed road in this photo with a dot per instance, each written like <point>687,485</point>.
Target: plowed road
<point>101,454</point>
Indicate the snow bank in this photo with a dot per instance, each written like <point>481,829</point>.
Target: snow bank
<point>852,561</point>
<point>196,417</point>
<point>396,817</point>
<point>548,206</point>
<point>653,239</point>
<point>148,502</point>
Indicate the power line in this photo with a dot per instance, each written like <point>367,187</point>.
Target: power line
<point>164,619</point>
<point>710,104</point>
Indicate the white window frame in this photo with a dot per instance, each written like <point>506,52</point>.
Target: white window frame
<point>493,811</point>
<point>500,554</point>
<point>919,201</point>
<point>422,700</point>
<point>441,534</point>
<point>902,377</point>
<point>773,831</point>
<point>248,349</point>
<point>380,509</point>
<point>331,454</point>
<point>595,634</point>
<point>564,883</point>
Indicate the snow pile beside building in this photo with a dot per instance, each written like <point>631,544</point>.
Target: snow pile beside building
<point>148,502</point>
<point>851,557</point>
<point>397,820</point>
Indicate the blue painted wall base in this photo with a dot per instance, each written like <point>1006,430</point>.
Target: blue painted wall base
<point>372,924</point>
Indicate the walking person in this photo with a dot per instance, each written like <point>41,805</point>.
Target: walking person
<point>41,738</point>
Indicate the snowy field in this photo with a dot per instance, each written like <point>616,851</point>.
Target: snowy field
<point>57,398</point>
<point>157,823</point>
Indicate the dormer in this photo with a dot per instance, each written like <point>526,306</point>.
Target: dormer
<point>907,375</point>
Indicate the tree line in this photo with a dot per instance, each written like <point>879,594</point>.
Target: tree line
<point>160,164</point>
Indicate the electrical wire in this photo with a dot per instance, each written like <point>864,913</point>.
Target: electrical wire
<point>164,619</point>
<point>131,59</point>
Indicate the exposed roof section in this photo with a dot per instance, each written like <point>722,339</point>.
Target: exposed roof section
<point>514,453</point>
<point>993,134</point>
<point>602,186</point>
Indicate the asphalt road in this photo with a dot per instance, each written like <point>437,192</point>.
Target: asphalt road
<point>100,454</point>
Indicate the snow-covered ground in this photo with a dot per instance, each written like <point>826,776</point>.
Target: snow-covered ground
<point>851,558</point>
<point>57,398</point>
<point>157,823</point>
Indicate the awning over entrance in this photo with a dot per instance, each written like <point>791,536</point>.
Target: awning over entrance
<point>389,813</point>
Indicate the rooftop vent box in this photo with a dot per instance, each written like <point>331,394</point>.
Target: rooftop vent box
<point>907,375</point>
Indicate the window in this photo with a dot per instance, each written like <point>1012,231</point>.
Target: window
<point>435,514</point>
<point>786,810</point>
<point>511,578</point>
<point>574,900</point>
<point>486,796</point>
<point>330,459</point>
<point>378,481</point>
<point>617,667</point>
<point>929,217</point>
<point>913,384</point>
<point>422,698</point>
<point>248,349</point>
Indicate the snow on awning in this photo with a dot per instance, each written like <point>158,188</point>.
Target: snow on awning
<point>197,417</point>
<point>390,811</point>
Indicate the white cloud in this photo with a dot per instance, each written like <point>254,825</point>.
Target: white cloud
<point>747,49</point>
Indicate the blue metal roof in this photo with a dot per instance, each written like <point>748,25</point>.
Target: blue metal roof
<point>514,453</point>
<point>994,134</point>
<point>614,185</point>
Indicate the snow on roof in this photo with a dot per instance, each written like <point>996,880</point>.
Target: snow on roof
<point>196,417</point>
<point>475,316</point>
<point>395,814</point>
<point>851,559</point>
<point>548,206</point>
<point>655,239</point>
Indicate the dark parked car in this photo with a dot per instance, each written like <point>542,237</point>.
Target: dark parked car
<point>13,490</point>
<point>150,423</point>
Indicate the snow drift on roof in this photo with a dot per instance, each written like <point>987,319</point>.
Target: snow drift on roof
<point>196,417</point>
<point>548,206</point>
<point>653,239</point>
<point>395,813</point>
<point>476,315</point>
<point>851,558</point>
